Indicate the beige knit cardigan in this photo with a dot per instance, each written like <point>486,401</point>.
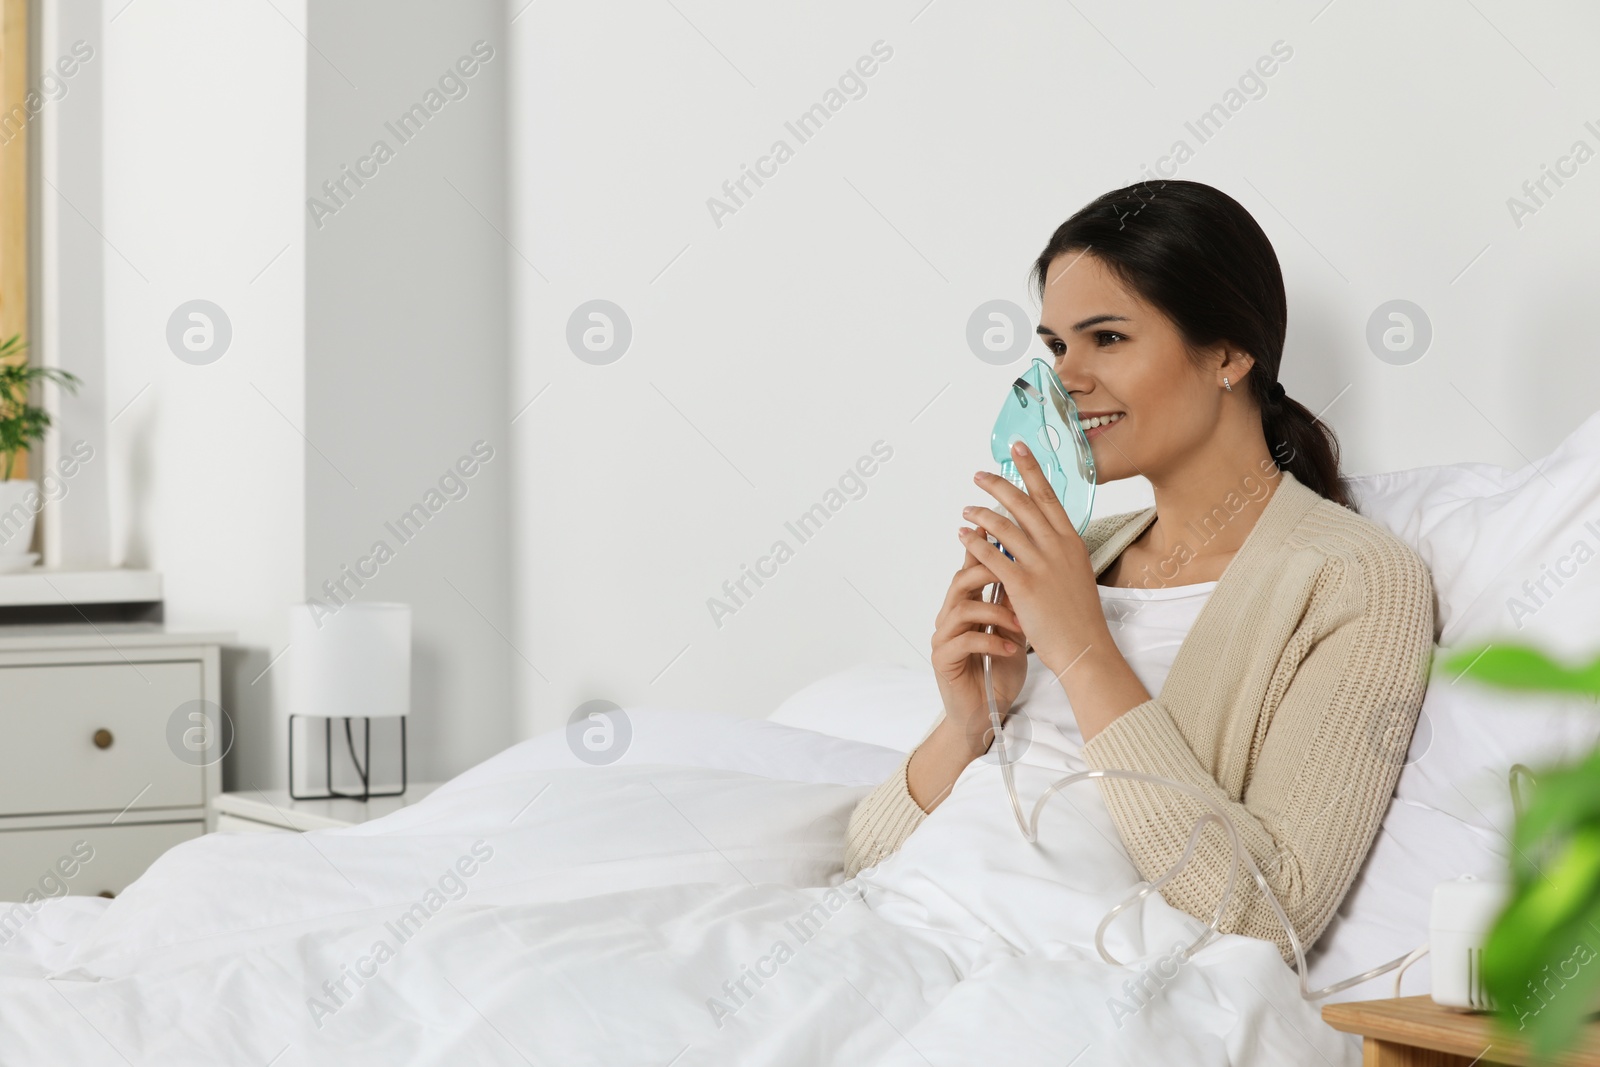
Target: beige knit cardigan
<point>1291,700</point>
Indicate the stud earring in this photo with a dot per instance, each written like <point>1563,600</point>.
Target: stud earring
<point>1226,386</point>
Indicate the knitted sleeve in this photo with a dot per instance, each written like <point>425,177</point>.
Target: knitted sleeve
<point>1327,753</point>
<point>884,818</point>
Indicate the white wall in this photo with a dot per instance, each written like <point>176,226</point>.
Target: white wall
<point>68,329</point>
<point>368,353</point>
<point>829,312</point>
<point>202,198</point>
<point>406,348</point>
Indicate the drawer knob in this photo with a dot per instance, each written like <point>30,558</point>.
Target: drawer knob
<point>102,738</point>
<point>108,894</point>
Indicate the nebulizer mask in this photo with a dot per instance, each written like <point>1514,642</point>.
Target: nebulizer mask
<point>1039,412</point>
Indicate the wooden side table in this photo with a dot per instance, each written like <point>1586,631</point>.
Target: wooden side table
<point>1416,1032</point>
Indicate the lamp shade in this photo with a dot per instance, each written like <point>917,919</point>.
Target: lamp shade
<point>354,662</point>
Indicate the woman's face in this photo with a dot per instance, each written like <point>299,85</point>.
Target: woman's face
<point>1116,355</point>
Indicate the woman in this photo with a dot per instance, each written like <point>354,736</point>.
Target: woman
<point>1305,631</point>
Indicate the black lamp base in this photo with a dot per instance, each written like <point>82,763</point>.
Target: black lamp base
<point>363,766</point>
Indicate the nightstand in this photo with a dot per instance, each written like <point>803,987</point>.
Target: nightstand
<point>1416,1032</point>
<point>103,764</point>
<point>271,810</point>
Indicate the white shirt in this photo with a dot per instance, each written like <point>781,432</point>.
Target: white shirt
<point>1148,625</point>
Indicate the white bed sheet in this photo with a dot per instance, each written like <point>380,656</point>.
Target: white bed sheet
<point>580,915</point>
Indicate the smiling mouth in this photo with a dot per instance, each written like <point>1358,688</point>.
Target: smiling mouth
<point>1098,425</point>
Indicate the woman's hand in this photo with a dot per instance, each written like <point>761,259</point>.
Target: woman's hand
<point>960,639</point>
<point>1051,597</point>
<point>1050,583</point>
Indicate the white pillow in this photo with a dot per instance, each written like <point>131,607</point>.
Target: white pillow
<point>879,704</point>
<point>1385,914</point>
<point>707,739</point>
<point>1485,530</point>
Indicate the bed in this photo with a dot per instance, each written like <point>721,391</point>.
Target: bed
<point>685,904</point>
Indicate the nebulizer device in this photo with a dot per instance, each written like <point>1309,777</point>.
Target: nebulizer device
<point>1040,413</point>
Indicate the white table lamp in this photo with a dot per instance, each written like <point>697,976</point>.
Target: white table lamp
<point>353,662</point>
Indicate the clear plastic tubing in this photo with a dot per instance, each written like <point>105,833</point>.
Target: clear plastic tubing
<point>1217,815</point>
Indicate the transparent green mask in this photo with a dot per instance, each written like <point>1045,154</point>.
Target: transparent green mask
<point>1040,414</point>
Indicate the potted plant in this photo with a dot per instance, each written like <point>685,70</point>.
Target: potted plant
<point>1541,963</point>
<point>22,423</point>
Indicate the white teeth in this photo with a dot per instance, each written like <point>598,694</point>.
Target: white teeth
<point>1101,420</point>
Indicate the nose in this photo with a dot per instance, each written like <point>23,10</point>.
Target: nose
<point>1074,377</point>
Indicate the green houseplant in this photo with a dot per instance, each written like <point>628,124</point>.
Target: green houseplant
<point>1541,964</point>
<point>22,424</point>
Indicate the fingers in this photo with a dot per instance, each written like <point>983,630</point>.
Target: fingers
<point>974,643</point>
<point>1004,569</point>
<point>1040,491</point>
<point>968,582</point>
<point>973,614</point>
<point>1037,510</point>
<point>1001,527</point>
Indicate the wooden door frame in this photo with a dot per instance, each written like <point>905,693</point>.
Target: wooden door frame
<point>16,123</point>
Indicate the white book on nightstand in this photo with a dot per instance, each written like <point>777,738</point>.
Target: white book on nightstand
<point>272,810</point>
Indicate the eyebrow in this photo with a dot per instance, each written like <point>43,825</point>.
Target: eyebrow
<point>1093,320</point>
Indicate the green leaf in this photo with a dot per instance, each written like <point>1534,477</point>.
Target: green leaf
<point>1522,667</point>
<point>1565,801</point>
<point>22,423</point>
<point>1541,962</point>
<point>1545,989</point>
<point>1569,886</point>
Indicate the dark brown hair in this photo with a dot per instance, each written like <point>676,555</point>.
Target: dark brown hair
<point>1196,254</point>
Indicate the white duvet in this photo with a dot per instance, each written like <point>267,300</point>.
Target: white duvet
<point>675,912</point>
